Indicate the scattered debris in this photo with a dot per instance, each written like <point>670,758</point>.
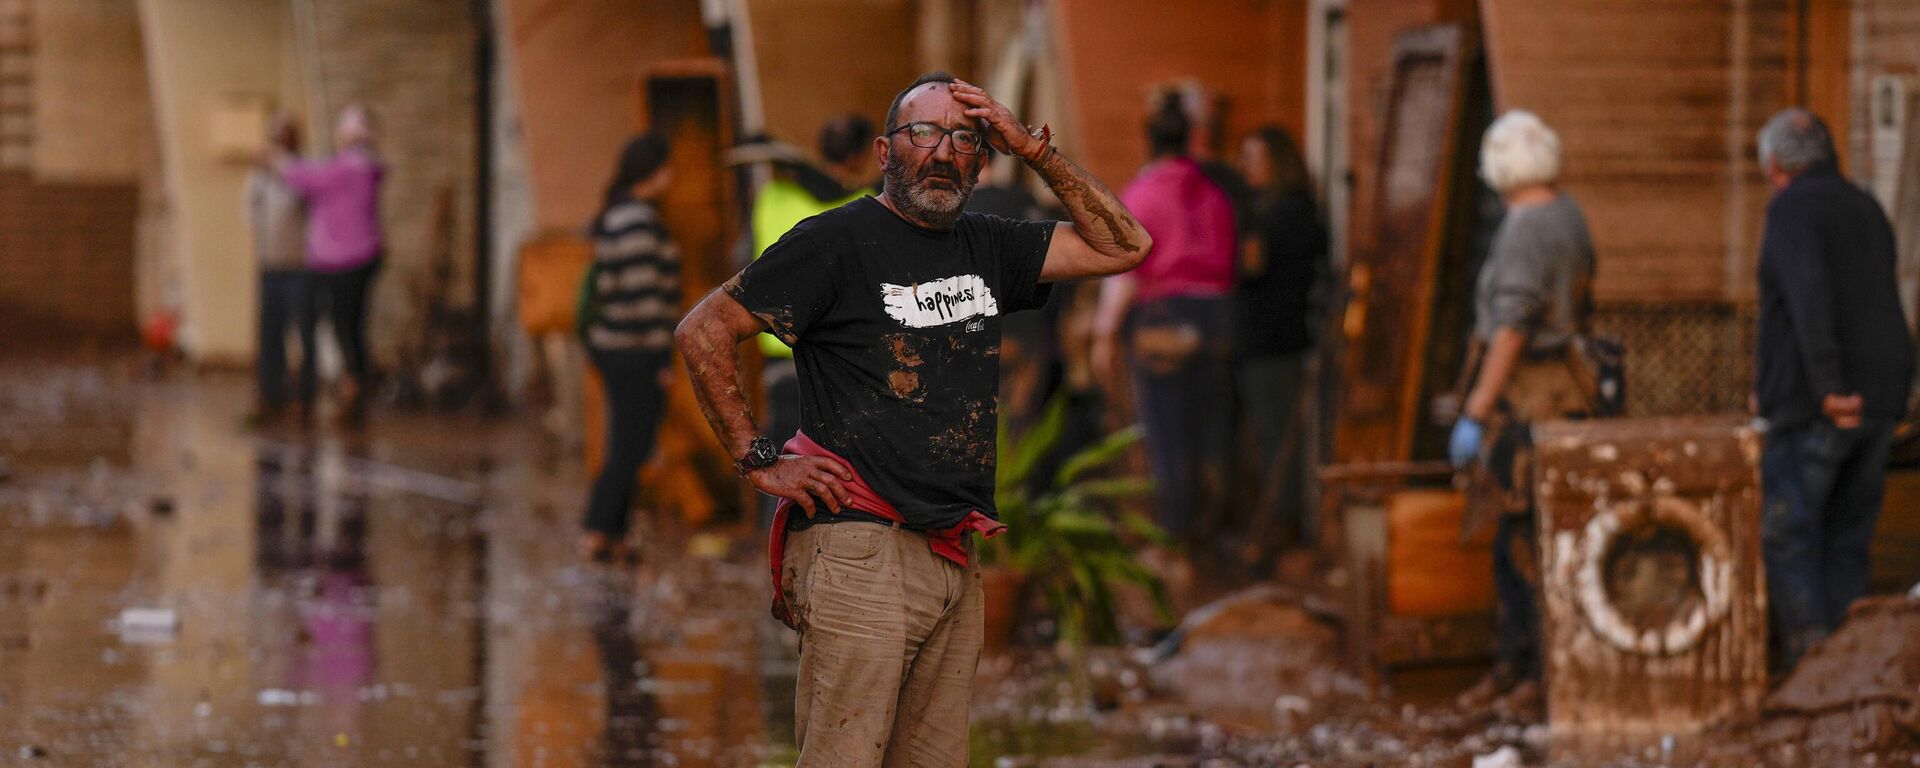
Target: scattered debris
<point>147,626</point>
<point>1858,691</point>
<point>1504,757</point>
<point>281,697</point>
<point>1230,660</point>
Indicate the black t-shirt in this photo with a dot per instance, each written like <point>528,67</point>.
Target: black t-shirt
<point>896,335</point>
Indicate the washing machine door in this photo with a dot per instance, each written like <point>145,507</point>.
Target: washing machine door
<point>1652,575</point>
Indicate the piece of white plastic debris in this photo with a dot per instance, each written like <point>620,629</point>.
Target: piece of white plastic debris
<point>1504,757</point>
<point>281,697</point>
<point>1914,594</point>
<point>147,625</point>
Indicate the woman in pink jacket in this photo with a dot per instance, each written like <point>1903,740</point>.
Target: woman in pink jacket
<point>344,241</point>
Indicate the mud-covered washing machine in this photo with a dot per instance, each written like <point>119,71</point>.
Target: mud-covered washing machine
<point>1652,582</point>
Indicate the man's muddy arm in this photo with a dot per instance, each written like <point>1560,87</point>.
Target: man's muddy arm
<point>1104,237</point>
<point>709,339</point>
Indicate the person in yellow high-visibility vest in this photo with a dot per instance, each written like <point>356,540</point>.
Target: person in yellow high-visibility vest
<point>797,192</point>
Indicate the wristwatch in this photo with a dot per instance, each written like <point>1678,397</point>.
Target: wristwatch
<point>761,453</point>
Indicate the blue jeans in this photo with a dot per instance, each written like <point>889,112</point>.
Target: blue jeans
<point>1517,646</point>
<point>283,302</point>
<point>1823,490</point>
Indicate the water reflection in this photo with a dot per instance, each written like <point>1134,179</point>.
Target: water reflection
<point>408,597</point>
<point>632,716</point>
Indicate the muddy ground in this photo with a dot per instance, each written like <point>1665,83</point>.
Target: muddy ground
<point>179,590</point>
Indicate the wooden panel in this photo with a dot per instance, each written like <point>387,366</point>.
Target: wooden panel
<point>1398,241</point>
<point>1821,65</point>
<point>1651,573</point>
<point>1889,44</point>
<point>1430,571</point>
<point>1656,103</point>
<point>691,108</point>
<point>1895,552</point>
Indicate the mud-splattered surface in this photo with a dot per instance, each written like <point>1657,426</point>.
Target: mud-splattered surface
<point>176,590</point>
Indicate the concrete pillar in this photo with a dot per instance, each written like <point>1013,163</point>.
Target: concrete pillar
<point>206,61</point>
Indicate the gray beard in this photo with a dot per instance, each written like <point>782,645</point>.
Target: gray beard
<point>937,208</point>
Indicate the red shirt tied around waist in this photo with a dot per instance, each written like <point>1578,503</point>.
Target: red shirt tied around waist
<point>949,543</point>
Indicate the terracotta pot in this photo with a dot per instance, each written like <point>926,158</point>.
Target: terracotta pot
<point>1001,586</point>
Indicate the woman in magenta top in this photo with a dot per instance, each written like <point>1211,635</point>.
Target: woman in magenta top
<point>1177,318</point>
<point>344,242</point>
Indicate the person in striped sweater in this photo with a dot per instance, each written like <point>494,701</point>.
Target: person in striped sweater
<point>633,304</point>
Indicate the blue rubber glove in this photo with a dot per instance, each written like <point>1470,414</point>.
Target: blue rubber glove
<point>1464,446</point>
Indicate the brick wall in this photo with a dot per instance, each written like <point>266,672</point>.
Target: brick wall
<point>66,261</point>
<point>413,64</point>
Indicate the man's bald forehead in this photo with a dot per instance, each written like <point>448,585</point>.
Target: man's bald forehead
<point>931,81</point>
<point>932,98</point>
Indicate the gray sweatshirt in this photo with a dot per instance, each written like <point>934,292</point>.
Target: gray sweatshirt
<point>277,219</point>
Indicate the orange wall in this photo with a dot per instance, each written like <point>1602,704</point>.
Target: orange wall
<point>1113,51</point>
<point>820,58</point>
<point>573,63</point>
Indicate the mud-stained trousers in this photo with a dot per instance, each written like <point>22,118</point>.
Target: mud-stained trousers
<point>890,636</point>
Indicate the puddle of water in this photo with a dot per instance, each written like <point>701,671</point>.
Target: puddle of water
<point>409,597</point>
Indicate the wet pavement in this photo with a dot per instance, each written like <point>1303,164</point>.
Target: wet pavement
<point>179,590</point>
<point>176,590</point>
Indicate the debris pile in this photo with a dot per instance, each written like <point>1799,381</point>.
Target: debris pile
<point>1857,692</point>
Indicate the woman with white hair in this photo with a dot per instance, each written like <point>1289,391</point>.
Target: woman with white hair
<point>1532,299</point>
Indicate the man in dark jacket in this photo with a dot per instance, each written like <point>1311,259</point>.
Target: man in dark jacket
<point>1834,366</point>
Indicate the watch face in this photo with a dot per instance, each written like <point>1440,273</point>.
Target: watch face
<point>761,453</point>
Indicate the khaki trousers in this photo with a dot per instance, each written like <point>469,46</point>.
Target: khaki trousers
<point>890,636</point>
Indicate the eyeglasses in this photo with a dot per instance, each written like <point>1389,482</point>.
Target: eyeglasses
<point>966,141</point>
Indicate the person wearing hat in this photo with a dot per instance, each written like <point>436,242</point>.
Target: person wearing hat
<point>632,303</point>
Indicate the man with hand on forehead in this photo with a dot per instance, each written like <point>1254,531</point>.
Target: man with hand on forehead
<point>893,306</point>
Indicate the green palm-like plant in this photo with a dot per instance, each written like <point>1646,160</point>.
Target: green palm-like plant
<point>1068,535</point>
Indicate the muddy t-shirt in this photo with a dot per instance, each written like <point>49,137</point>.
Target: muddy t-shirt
<point>896,336</point>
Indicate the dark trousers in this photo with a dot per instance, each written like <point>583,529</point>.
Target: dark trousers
<point>634,404</point>
<point>1823,494</point>
<point>1518,646</point>
<point>283,302</point>
<point>1183,383</point>
<point>1271,387</point>
<point>343,297</point>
